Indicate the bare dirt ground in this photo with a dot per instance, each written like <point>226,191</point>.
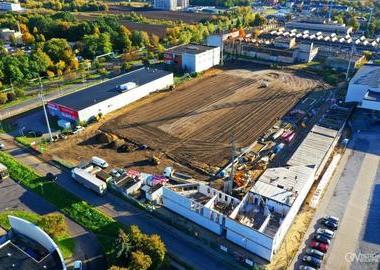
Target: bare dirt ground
<point>191,127</point>
<point>194,124</point>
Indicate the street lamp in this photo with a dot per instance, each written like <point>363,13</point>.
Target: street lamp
<point>43,106</point>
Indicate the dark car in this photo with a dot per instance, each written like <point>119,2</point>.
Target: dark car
<point>51,177</point>
<point>312,261</point>
<point>319,246</point>
<point>321,238</point>
<point>330,224</point>
<point>332,219</point>
<point>306,267</point>
<point>315,253</point>
<point>33,133</point>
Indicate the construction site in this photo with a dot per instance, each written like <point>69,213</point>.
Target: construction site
<point>196,124</point>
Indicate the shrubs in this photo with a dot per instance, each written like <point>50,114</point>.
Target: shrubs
<point>105,228</point>
<point>3,98</point>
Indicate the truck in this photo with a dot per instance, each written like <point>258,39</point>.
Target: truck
<point>89,181</point>
<point>127,86</point>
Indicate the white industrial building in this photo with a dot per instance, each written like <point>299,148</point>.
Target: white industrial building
<point>193,57</point>
<point>364,87</point>
<point>110,95</point>
<point>28,247</point>
<point>10,6</point>
<point>170,4</point>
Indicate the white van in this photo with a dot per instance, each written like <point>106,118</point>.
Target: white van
<point>99,162</point>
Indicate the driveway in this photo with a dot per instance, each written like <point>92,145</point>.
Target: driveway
<point>13,196</point>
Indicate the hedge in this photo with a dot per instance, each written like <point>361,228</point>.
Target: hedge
<point>105,228</point>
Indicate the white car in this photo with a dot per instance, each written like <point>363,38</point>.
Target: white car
<point>2,146</point>
<point>77,265</point>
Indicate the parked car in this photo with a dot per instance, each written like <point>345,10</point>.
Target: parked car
<point>332,219</point>
<point>77,265</point>
<point>78,129</point>
<point>330,224</point>
<point>326,232</point>
<point>319,246</point>
<point>51,177</point>
<point>306,267</point>
<point>315,253</point>
<point>321,238</point>
<point>312,261</point>
<point>2,146</point>
<point>33,133</point>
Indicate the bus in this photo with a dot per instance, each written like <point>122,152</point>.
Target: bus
<point>3,172</point>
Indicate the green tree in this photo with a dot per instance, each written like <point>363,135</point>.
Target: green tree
<point>139,261</point>
<point>122,247</point>
<point>3,98</point>
<point>53,224</point>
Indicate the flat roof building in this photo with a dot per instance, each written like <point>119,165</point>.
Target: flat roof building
<point>364,87</point>
<point>193,57</point>
<point>27,247</point>
<point>10,6</point>
<point>110,95</point>
<point>328,28</point>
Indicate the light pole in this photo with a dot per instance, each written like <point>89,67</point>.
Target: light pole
<point>43,106</point>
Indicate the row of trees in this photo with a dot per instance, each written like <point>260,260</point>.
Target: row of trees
<point>221,3</point>
<point>239,18</point>
<point>135,250</point>
<point>68,5</point>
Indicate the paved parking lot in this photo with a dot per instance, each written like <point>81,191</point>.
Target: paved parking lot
<point>353,196</point>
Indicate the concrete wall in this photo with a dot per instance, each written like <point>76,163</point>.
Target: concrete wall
<point>184,206</point>
<point>249,239</point>
<point>125,98</point>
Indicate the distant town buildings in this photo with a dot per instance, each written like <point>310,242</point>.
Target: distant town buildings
<point>170,4</point>
<point>193,57</point>
<point>27,247</point>
<point>364,87</point>
<point>280,50</point>
<point>7,34</point>
<point>10,6</point>
<point>315,27</point>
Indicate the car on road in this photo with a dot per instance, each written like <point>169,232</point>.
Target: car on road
<point>306,267</point>
<point>330,224</point>
<point>2,146</point>
<point>33,133</point>
<point>51,177</point>
<point>319,246</point>
<point>332,219</point>
<point>312,261</point>
<point>321,238</point>
<point>315,253</point>
<point>326,232</point>
<point>77,265</point>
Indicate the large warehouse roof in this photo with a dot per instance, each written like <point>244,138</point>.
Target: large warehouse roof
<point>108,89</point>
<point>367,75</point>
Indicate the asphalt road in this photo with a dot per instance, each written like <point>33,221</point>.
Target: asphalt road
<point>183,246</point>
<point>353,196</point>
<point>13,196</point>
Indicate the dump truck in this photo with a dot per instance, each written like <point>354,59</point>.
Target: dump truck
<point>89,181</point>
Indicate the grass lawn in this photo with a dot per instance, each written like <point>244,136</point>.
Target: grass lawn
<point>36,143</point>
<point>65,242</point>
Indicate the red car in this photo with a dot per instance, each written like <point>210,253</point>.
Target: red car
<point>320,246</point>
